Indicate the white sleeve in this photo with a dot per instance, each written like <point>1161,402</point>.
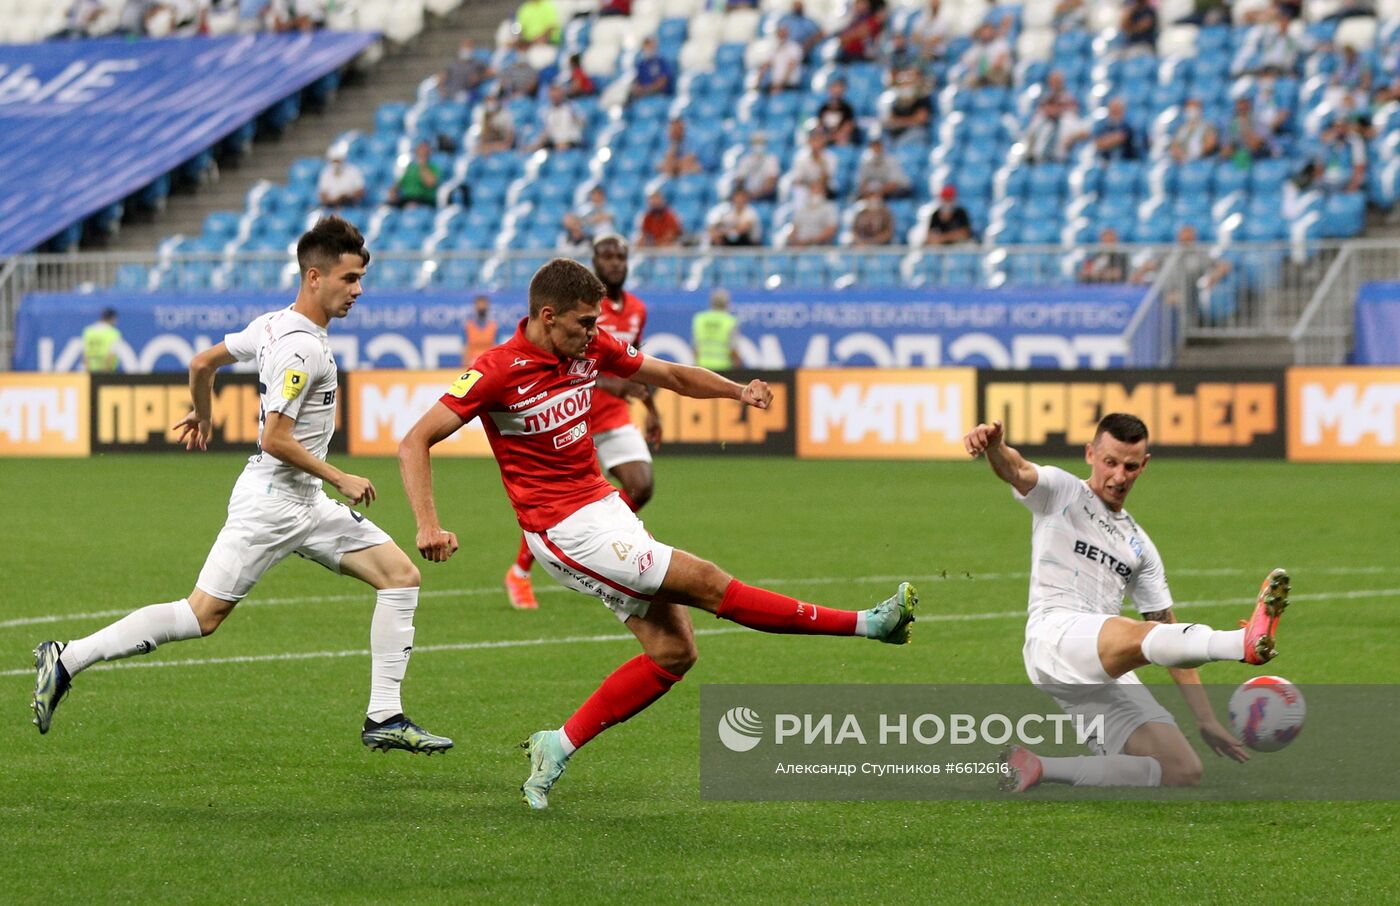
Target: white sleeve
<point>243,345</point>
<point>294,365</point>
<point>1053,488</point>
<point>1148,587</point>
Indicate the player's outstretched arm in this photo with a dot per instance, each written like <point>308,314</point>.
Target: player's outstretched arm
<point>702,384</point>
<point>1009,465</point>
<point>277,440</point>
<point>195,429</point>
<point>1188,680</point>
<point>416,469</point>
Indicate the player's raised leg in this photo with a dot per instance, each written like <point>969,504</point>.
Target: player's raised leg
<point>1156,754</point>
<point>518,587</point>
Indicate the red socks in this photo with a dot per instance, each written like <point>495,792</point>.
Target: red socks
<point>526,558</point>
<point>628,690</point>
<point>768,611</point>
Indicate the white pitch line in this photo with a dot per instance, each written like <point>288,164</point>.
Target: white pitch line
<point>945,576</point>
<point>1355,594</point>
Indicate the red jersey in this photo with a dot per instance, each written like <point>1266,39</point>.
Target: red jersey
<point>535,408</point>
<point>626,322</point>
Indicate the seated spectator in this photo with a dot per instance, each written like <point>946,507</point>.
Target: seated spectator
<point>783,70</point>
<point>654,74</point>
<point>1351,77</point>
<point>1202,267</point>
<point>1053,132</point>
<point>340,183</point>
<point>93,18</point>
<point>929,32</point>
<point>597,216</point>
<point>859,37</point>
<point>519,78</point>
<point>949,223</point>
<point>911,112</point>
<point>680,158</point>
<point>1108,264</point>
<point>1267,48</point>
<point>495,127</point>
<point>735,222</point>
<point>1138,25</point>
<point>1270,116</point>
<point>574,241</point>
<point>577,82</point>
<point>1070,15</point>
<point>1244,141</point>
<point>465,76</point>
<point>805,31</point>
<point>988,60</point>
<point>1344,155</point>
<point>873,223</point>
<point>897,53</point>
<point>615,8</point>
<point>757,169</point>
<point>658,225</point>
<point>1114,138</point>
<point>419,182</point>
<point>813,219</point>
<point>163,18</point>
<point>1195,138</point>
<point>537,22</point>
<point>882,172</point>
<point>836,116</point>
<point>815,164</point>
<point>561,125</point>
<point>1054,94</point>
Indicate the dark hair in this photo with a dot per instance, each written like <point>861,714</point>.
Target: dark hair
<point>1122,427</point>
<point>322,245</point>
<point>563,285</point>
<point>108,314</point>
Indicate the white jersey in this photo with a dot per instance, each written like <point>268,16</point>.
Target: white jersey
<point>1084,557</point>
<point>296,377</point>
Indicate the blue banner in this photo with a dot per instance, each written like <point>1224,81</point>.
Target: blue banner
<point>1378,324</point>
<point>1079,327</point>
<point>84,124</point>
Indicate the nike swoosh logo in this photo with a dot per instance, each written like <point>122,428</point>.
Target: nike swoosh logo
<point>526,388</point>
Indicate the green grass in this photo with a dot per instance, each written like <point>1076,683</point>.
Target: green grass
<point>246,781</point>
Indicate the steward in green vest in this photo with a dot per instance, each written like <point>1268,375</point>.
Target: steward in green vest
<point>712,334</point>
<point>99,342</point>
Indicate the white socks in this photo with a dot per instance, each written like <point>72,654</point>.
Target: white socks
<point>1102,770</point>
<point>1191,644</point>
<point>139,632</point>
<point>390,643</point>
<point>566,743</point>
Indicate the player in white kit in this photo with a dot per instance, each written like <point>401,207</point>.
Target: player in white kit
<point>1087,553</point>
<point>278,507</point>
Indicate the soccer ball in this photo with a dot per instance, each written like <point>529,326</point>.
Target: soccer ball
<point>1267,712</point>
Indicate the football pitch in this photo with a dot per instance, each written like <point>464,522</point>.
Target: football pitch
<point>230,769</point>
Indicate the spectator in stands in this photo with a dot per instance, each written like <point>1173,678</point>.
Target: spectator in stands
<point>859,37</point>
<point>949,223</point>
<point>680,158</point>
<point>1070,15</point>
<point>882,172</point>
<point>813,219</point>
<point>658,225</point>
<point>1114,137</point>
<point>574,240</point>
<point>1344,155</point>
<point>1244,141</point>
<point>1055,94</point>
<point>929,31</point>
<point>615,8</point>
<point>420,179</point>
<point>1207,12</point>
<point>537,22</point>
<point>495,127</point>
<point>597,215</point>
<point>735,222</point>
<point>783,71</point>
<point>561,125</point>
<point>802,29</point>
<point>897,53</point>
<point>340,183</point>
<point>1054,131</point>
<point>466,74</point>
<point>836,116</point>
<point>93,18</point>
<point>757,169</point>
<point>1270,116</point>
<point>1108,263</point>
<point>1138,25</point>
<point>577,82</point>
<point>1267,48</point>
<point>519,78</point>
<point>815,164</point>
<point>1203,268</point>
<point>654,74</point>
<point>911,111</point>
<point>1195,138</point>
<point>988,60</point>
<point>163,18</point>
<point>1351,76</point>
<point>873,223</point>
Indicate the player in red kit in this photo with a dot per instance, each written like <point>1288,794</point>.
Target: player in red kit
<point>623,452</point>
<point>534,395</point>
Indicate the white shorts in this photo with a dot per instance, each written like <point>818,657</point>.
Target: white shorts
<point>620,445</point>
<point>1062,660</point>
<point>605,551</point>
<point>264,529</point>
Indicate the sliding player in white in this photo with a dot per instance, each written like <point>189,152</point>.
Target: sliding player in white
<point>1086,554</point>
<point>278,507</point>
